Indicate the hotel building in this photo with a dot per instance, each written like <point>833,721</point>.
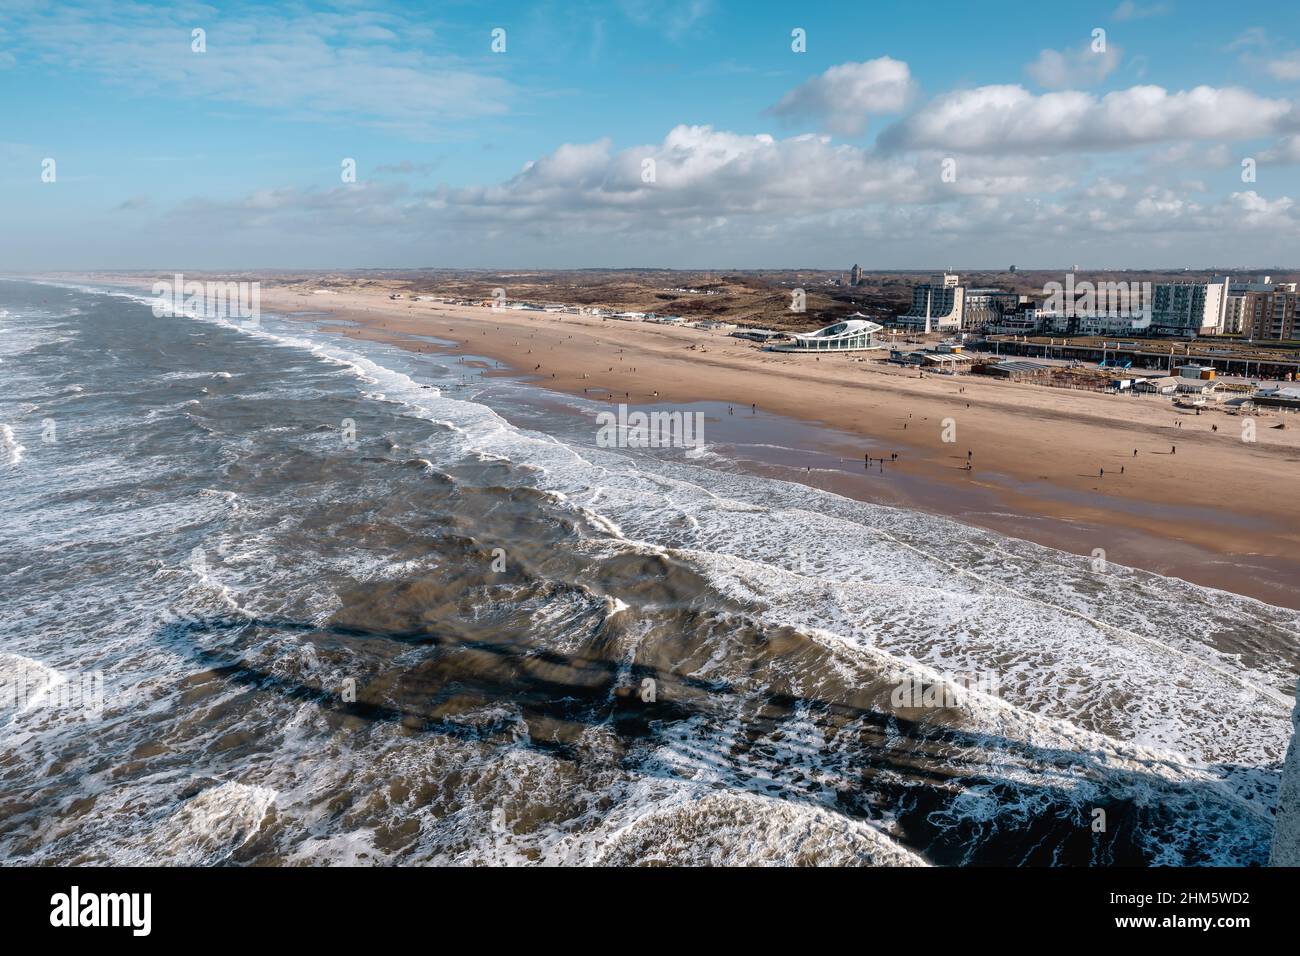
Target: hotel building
<point>937,305</point>
<point>984,309</point>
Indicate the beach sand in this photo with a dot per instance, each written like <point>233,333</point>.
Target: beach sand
<point>1219,511</point>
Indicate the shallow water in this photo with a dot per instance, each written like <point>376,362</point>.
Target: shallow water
<point>437,643</point>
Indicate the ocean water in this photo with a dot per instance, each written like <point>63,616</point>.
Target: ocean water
<point>274,596</point>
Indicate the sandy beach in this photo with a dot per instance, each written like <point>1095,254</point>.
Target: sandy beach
<point>1193,502</point>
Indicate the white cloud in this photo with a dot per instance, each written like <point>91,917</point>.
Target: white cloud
<point>1251,38</point>
<point>408,168</point>
<point>1011,119</point>
<point>673,17</point>
<point>1063,69</point>
<point>844,98</point>
<point>699,172</point>
<point>1258,48</point>
<point>1193,155</point>
<point>1286,152</point>
<point>1284,66</point>
<point>318,65</point>
<point>1254,211</point>
<point>1104,188</point>
<point>717,190</point>
<point>1128,10</point>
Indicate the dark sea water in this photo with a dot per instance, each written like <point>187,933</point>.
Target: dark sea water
<point>231,635</point>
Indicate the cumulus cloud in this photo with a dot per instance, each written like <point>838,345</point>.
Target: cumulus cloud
<point>845,98</point>
<point>1255,211</point>
<point>695,172</point>
<point>1184,155</point>
<point>1011,119</point>
<point>710,189</point>
<point>1106,188</point>
<point>1063,69</point>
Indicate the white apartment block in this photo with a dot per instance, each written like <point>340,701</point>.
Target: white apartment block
<point>937,305</point>
<point>1189,309</point>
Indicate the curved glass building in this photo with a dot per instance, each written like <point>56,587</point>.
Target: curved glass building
<point>851,335</point>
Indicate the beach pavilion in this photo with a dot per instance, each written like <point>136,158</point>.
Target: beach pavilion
<point>854,334</point>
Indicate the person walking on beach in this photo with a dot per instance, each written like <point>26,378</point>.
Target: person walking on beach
<point>1121,469</point>
<point>1101,472</point>
<point>1173,449</point>
<point>1135,452</point>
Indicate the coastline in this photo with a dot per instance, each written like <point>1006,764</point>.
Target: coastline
<point>1213,512</point>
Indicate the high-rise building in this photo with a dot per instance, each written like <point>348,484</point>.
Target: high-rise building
<point>936,305</point>
<point>1240,311</point>
<point>1189,308</point>
<point>855,275</point>
<point>986,308</point>
<point>1272,315</point>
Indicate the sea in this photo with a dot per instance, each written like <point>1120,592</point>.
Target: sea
<point>273,595</point>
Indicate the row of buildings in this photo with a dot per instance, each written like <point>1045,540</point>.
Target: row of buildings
<point>1255,309</point>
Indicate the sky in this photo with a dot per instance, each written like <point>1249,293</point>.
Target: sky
<point>692,134</point>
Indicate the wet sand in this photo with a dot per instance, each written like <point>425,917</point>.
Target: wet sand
<point>1218,511</point>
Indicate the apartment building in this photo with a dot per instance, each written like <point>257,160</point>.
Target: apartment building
<point>1189,309</point>
<point>937,305</point>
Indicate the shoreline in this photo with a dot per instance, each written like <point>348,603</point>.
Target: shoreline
<point>1214,512</point>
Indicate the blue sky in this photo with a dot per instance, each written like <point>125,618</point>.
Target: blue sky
<point>1061,152</point>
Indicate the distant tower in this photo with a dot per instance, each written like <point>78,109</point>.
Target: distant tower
<point>855,275</point>
<point>1013,268</point>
